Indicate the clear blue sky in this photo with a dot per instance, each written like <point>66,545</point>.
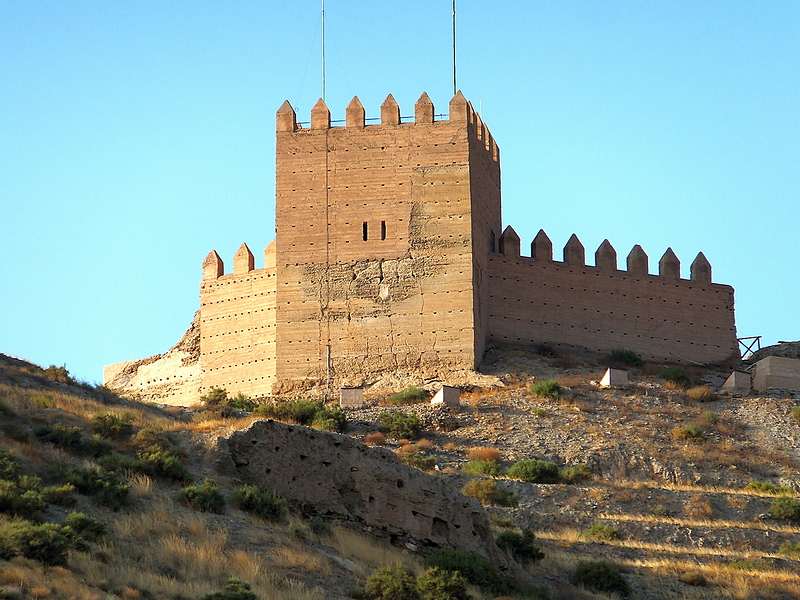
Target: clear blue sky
<point>136,136</point>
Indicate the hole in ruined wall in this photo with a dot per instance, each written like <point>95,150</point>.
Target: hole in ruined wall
<point>267,471</point>
<point>400,483</point>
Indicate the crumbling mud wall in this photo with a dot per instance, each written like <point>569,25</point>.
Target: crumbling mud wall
<point>336,476</point>
<point>172,378</point>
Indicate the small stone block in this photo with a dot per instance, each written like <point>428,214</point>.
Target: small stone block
<point>614,378</point>
<point>777,372</point>
<point>449,396</point>
<point>738,380</point>
<point>351,397</point>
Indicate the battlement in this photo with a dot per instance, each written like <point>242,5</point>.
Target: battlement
<point>243,262</point>
<point>461,112</point>
<point>605,257</point>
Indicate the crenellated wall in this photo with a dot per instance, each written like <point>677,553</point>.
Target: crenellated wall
<point>569,303</point>
<point>237,323</point>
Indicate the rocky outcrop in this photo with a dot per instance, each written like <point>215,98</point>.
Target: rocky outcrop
<point>334,475</point>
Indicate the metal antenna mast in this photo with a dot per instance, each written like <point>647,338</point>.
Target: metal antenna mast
<point>323,49</point>
<point>455,87</point>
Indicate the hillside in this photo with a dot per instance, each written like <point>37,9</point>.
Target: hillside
<point>675,512</point>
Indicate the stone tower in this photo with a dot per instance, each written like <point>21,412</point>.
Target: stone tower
<point>382,236</point>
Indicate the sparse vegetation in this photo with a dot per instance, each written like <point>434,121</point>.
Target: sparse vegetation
<point>473,568</point>
<point>265,505</point>
<point>398,424</point>
<point>627,358</point>
<point>785,508</point>
<point>410,395</point>
<point>306,412</point>
<point>397,582</point>
<point>690,433</point>
<point>701,393</point>
<point>235,589</point>
<point>580,473</point>
<point>484,468</point>
<point>489,493</point>
<point>601,531</point>
<point>105,489</point>
<point>375,439</point>
<point>600,576</point>
<point>534,471</point>
<point>411,455</point>
<point>709,417</point>
<point>111,425</point>
<point>790,549</point>
<point>796,413</point>
<point>676,375</point>
<point>695,578</point>
<point>205,496</point>
<point>769,488</point>
<point>46,542</point>
<point>549,388</point>
<point>520,545</point>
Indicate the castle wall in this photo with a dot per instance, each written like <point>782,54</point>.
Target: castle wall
<point>661,318</point>
<point>402,298</point>
<point>237,330</point>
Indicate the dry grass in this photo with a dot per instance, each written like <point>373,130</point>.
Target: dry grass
<point>375,439</point>
<point>702,393</point>
<point>486,453</point>
<point>368,552</point>
<point>299,557</point>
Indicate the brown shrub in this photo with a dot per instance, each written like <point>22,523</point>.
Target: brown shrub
<point>408,449</point>
<point>424,444</point>
<point>486,453</point>
<point>702,393</point>
<point>450,447</point>
<point>375,439</point>
<point>698,507</point>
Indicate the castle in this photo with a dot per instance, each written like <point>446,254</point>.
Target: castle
<point>390,256</point>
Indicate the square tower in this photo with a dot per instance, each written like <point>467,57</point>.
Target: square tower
<point>382,239</point>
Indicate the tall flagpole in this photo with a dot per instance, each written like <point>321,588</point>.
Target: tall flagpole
<point>323,49</point>
<point>455,86</point>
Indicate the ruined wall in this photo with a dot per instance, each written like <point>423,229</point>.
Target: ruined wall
<point>237,324</point>
<point>602,308</point>
<point>337,476</point>
<point>375,242</point>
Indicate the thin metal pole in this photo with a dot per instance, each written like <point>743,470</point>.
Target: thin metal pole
<point>323,49</point>
<point>455,86</point>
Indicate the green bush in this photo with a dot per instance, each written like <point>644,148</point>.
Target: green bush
<point>580,473</point>
<point>235,589</point>
<point>71,439</point>
<point>410,395</point>
<point>9,466</point>
<point>58,374</point>
<point>418,460</point>
<point>676,375</point>
<point>216,397</point>
<point>488,493</point>
<point>629,358</point>
<point>435,584</point>
<point>27,504</point>
<point>47,543</point>
<point>110,425</point>
<point>769,488</point>
<point>85,526</point>
<point>63,495</point>
<point>487,468</point>
<point>549,388</point>
<point>796,413</point>
<point>691,433</point>
<point>474,568</point>
<point>785,508</point>
<point>709,417</point>
<point>205,496</point>
<point>330,419</point>
<point>600,576</point>
<point>520,545</point>
<point>250,498</point>
<point>601,531</point>
<point>242,402</point>
<point>158,456</point>
<point>534,471</point>
<point>790,549</point>
<point>42,401</point>
<point>393,582</point>
<point>5,409</point>
<point>105,489</point>
<point>398,424</point>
